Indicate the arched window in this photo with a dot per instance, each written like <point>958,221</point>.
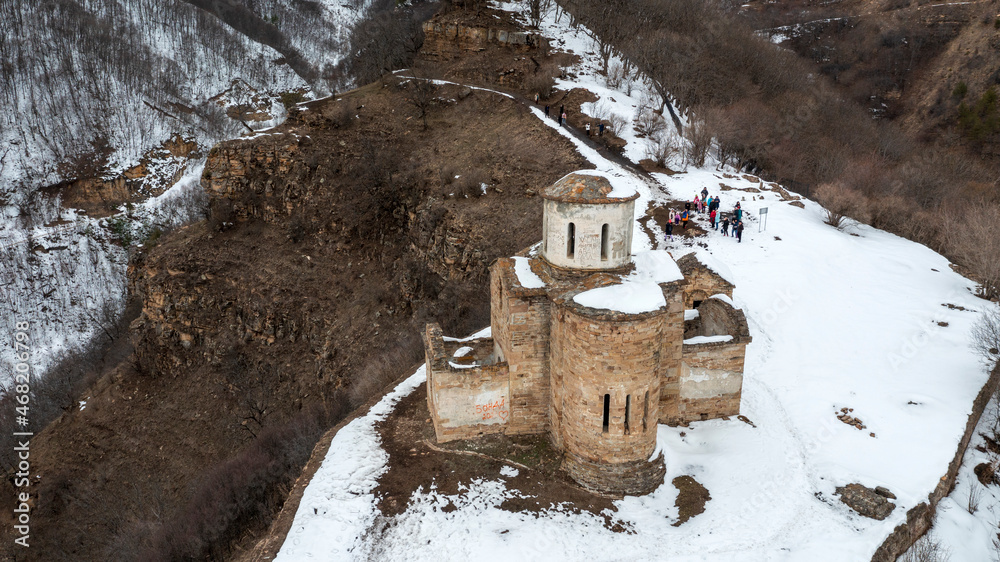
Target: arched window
<point>607,411</point>
<point>628,413</point>
<point>645,411</point>
<point>605,242</point>
<point>571,241</point>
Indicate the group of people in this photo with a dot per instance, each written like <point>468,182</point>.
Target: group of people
<point>706,204</point>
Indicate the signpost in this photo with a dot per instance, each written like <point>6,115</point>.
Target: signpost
<point>763,220</point>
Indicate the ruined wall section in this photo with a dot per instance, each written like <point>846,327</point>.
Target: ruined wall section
<point>671,349</point>
<point>702,282</point>
<point>711,375</point>
<point>711,381</point>
<point>464,402</point>
<point>520,320</point>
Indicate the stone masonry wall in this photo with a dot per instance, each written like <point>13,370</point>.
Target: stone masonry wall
<point>711,381</point>
<point>520,320</point>
<point>604,354</point>
<point>702,282</point>
<point>464,403</point>
<point>671,349</point>
<point>637,477</point>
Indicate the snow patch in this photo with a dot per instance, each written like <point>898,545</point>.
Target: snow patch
<point>631,297</point>
<point>527,278</point>
<point>698,340</point>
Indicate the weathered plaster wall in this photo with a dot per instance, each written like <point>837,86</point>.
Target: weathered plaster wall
<point>711,381</point>
<point>464,402</point>
<point>588,221</point>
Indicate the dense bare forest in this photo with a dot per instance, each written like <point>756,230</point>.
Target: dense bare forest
<point>87,86</point>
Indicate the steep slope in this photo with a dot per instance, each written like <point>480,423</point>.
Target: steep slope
<point>903,60</point>
<point>91,85</point>
<point>339,227</point>
<point>106,104</point>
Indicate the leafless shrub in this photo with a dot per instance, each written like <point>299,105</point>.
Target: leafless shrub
<point>617,123</point>
<point>699,142</point>
<point>342,115</point>
<point>472,183</point>
<point>662,149</point>
<point>926,549</point>
<point>840,203</point>
<point>601,111</point>
<point>542,82</point>
<point>242,493</point>
<point>421,94</point>
<point>973,498</point>
<point>974,241</point>
<point>835,219</point>
<point>648,123</point>
<point>617,75</point>
<point>383,369</point>
<point>986,337</point>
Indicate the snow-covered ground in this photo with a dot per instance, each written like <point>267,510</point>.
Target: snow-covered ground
<point>62,272</point>
<point>855,318</point>
<point>66,277</point>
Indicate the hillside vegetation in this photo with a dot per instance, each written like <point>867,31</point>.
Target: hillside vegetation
<point>88,86</point>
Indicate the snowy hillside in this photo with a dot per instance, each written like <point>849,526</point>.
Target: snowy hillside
<point>115,78</point>
<point>123,75</point>
<point>854,318</point>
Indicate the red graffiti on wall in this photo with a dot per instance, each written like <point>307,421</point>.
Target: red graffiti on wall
<point>493,410</point>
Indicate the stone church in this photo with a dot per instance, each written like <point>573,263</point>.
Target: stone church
<point>593,345</point>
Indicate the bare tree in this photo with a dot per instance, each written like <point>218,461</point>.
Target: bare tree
<point>975,243</point>
<point>986,337</point>
<point>420,93</point>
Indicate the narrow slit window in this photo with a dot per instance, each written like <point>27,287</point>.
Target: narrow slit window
<point>605,242</point>
<point>571,241</point>
<point>628,413</point>
<point>645,411</point>
<point>607,411</point>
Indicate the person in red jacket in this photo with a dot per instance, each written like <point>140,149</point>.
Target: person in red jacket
<point>711,217</point>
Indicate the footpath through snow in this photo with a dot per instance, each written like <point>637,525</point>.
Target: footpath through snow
<point>857,319</point>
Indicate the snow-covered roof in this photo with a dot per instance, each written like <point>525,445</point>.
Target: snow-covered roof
<point>655,266</point>
<point>710,262</point>
<point>631,297</point>
<point>592,186</point>
<point>724,298</point>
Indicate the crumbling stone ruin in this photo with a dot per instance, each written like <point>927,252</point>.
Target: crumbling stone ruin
<point>573,355</point>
